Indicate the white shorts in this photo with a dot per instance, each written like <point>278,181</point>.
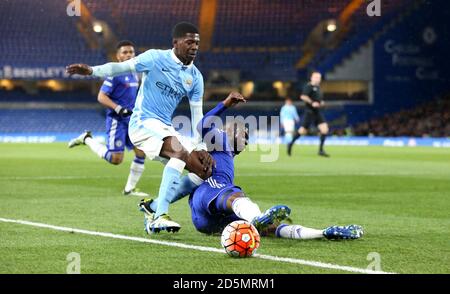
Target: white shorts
<point>289,126</point>
<point>149,137</point>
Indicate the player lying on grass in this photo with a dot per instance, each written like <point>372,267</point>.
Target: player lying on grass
<point>218,202</point>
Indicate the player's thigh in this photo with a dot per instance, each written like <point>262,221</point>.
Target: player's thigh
<point>202,218</point>
<point>289,126</point>
<point>321,123</point>
<point>117,134</point>
<point>150,137</point>
<point>307,120</point>
<point>172,148</point>
<point>206,217</point>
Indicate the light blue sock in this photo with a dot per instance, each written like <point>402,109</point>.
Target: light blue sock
<point>169,183</point>
<point>187,184</point>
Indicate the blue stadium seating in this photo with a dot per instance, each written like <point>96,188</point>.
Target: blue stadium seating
<point>40,33</point>
<point>147,23</point>
<point>47,96</point>
<point>270,23</point>
<point>51,120</point>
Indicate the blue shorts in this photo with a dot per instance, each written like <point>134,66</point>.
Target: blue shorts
<point>208,208</point>
<point>117,134</point>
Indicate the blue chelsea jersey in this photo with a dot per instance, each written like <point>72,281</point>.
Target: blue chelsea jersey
<point>122,90</point>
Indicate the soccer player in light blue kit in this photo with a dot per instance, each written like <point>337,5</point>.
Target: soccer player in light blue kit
<point>289,117</point>
<point>167,77</point>
<point>218,202</point>
<point>118,94</point>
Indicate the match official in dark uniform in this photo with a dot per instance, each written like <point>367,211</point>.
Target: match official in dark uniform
<point>313,98</point>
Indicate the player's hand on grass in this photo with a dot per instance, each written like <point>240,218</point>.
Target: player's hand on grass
<point>123,112</point>
<point>233,99</point>
<point>79,69</point>
<point>315,104</point>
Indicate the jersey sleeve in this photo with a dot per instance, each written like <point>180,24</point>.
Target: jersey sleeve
<point>108,86</point>
<point>145,62</point>
<point>198,89</point>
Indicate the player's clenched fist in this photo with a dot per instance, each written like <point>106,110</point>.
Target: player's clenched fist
<point>79,68</point>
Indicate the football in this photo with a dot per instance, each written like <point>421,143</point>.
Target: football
<point>240,239</point>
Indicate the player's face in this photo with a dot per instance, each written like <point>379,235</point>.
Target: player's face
<point>316,78</point>
<point>125,53</point>
<point>186,48</point>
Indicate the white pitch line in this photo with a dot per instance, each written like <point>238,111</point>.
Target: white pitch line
<point>374,174</point>
<point>194,247</point>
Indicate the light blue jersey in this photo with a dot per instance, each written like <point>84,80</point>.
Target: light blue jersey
<point>288,112</point>
<point>165,82</point>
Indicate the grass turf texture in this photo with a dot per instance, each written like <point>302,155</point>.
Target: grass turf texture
<point>400,195</point>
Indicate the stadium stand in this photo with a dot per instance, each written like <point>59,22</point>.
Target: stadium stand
<point>147,23</point>
<point>51,121</point>
<point>19,95</point>
<point>46,36</point>
<point>431,119</point>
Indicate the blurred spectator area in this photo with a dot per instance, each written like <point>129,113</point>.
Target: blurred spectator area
<point>431,119</point>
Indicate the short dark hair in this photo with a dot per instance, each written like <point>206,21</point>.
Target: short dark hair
<point>124,43</point>
<point>183,28</point>
<point>313,72</point>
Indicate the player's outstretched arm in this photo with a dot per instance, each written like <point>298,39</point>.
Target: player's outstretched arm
<point>208,120</point>
<point>110,69</point>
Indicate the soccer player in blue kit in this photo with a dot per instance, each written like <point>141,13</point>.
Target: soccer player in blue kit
<point>218,202</point>
<point>167,77</point>
<point>118,95</point>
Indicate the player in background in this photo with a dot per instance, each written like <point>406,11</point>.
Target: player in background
<point>167,77</point>
<point>289,117</point>
<point>313,98</point>
<point>218,202</point>
<point>118,95</point>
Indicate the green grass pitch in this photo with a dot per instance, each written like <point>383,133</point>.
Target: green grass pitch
<point>400,195</point>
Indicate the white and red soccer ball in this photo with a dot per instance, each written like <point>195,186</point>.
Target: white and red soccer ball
<point>240,239</point>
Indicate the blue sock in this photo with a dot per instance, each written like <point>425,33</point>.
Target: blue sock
<point>169,183</point>
<point>139,160</point>
<point>184,187</point>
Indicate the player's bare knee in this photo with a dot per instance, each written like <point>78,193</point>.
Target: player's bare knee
<point>117,158</point>
<point>324,129</point>
<point>233,197</point>
<point>172,148</point>
<point>139,153</point>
